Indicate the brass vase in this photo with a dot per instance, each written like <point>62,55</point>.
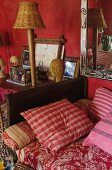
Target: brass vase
<point>57,69</point>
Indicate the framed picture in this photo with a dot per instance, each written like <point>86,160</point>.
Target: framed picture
<point>25,58</point>
<point>20,76</point>
<point>46,50</point>
<point>72,67</point>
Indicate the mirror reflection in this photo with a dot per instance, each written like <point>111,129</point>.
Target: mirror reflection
<point>98,61</point>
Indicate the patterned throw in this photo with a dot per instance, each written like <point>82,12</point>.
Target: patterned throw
<point>3,92</point>
<point>72,157</point>
<point>4,153</point>
<point>3,125</point>
<point>20,166</point>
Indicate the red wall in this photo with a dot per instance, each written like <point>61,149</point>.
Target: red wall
<point>94,3</point>
<point>107,9</point>
<point>60,17</point>
<point>94,83</point>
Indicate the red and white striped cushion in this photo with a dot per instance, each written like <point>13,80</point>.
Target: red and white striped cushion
<point>102,102</point>
<point>57,124</point>
<point>101,135</point>
<point>19,135</point>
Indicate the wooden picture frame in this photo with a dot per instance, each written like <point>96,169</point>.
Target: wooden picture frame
<point>46,50</point>
<point>72,67</point>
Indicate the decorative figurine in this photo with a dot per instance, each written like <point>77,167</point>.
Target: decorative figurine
<point>57,69</point>
<point>14,61</point>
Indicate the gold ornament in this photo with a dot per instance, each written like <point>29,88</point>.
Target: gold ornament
<point>57,69</point>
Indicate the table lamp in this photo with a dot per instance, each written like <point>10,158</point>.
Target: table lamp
<point>29,18</point>
<point>95,21</point>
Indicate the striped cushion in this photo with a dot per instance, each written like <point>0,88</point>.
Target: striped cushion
<point>102,102</point>
<point>101,135</point>
<point>19,135</point>
<point>57,124</point>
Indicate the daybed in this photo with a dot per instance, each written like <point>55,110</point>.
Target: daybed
<point>49,144</point>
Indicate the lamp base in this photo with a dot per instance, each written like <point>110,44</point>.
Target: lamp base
<point>32,56</point>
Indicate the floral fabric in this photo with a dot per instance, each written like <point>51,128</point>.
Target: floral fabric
<point>3,125</point>
<point>3,121</point>
<point>72,157</point>
<point>3,92</point>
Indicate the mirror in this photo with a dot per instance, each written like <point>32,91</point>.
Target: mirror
<point>96,47</point>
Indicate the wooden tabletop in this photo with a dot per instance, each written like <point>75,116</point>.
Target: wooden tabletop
<point>16,87</point>
<point>8,85</point>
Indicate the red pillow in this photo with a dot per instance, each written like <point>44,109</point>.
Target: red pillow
<point>57,124</point>
<point>102,103</point>
<point>83,104</point>
<point>101,135</point>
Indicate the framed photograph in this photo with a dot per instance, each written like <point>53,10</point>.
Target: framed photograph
<point>20,76</point>
<point>25,58</point>
<point>46,50</point>
<point>71,68</point>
